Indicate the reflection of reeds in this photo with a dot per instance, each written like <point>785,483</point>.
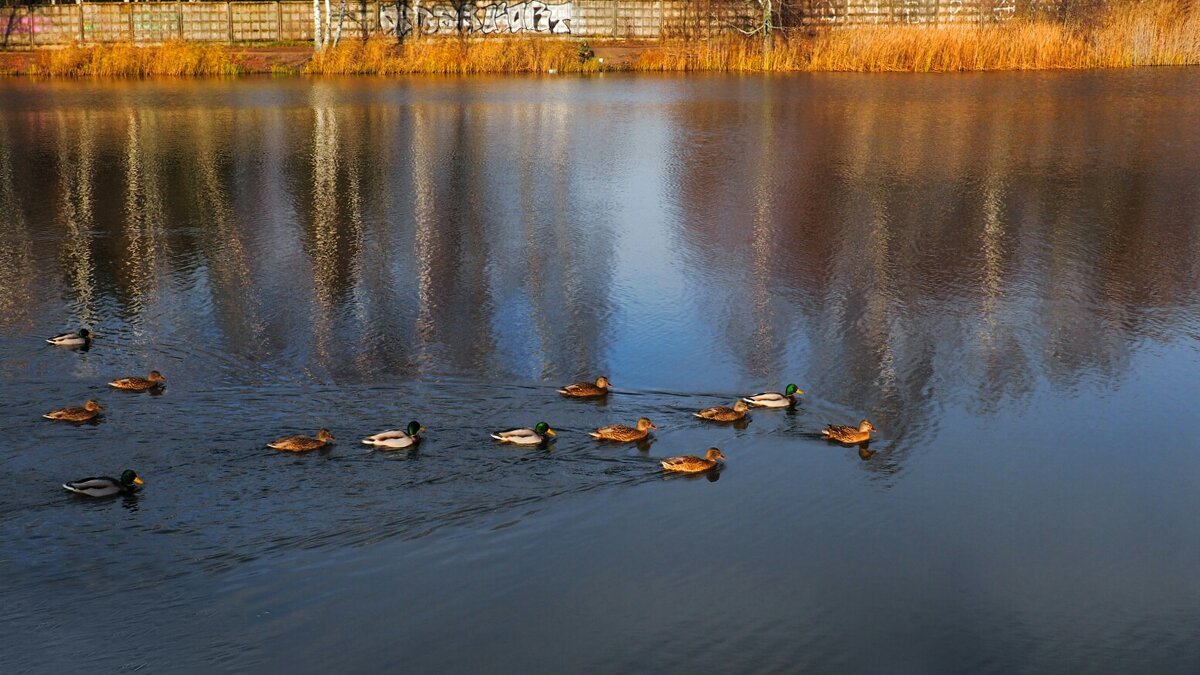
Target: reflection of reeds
<point>124,59</point>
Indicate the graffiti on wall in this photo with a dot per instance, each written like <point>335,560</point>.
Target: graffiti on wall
<point>501,17</point>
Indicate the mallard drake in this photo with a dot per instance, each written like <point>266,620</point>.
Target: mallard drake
<point>80,338</point>
<point>87,412</point>
<point>302,443</point>
<point>535,436</point>
<point>586,389</point>
<point>844,434</point>
<point>694,464</point>
<point>154,379</point>
<point>773,399</point>
<point>723,414</point>
<point>622,433</point>
<point>104,486</point>
<point>397,440</point>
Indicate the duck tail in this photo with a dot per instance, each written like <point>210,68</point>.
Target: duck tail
<point>593,434</point>
<point>498,437</point>
<point>749,400</point>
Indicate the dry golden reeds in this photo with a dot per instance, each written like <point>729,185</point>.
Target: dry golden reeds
<point>1118,34</point>
<point>127,60</point>
<point>381,56</point>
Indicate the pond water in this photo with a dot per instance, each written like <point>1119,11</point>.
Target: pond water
<point>1001,272</point>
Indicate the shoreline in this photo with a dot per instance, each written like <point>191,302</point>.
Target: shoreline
<point>1022,45</point>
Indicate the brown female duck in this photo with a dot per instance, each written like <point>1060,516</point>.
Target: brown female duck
<point>724,414</point>
<point>302,443</point>
<point>845,434</point>
<point>587,389</point>
<point>694,464</point>
<point>154,379</point>
<point>622,433</point>
<point>87,412</point>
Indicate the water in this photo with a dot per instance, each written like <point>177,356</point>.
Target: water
<point>999,271</point>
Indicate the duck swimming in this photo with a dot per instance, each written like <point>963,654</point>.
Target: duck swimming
<point>154,379</point>
<point>397,440</point>
<point>773,399</point>
<point>693,464</point>
<point>104,486</point>
<point>587,389</point>
<point>89,411</point>
<point>622,433</point>
<point>535,436</point>
<point>850,435</point>
<point>724,414</point>
<point>302,443</point>
<point>80,338</point>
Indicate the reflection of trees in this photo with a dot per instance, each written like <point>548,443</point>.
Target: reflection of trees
<point>927,246</point>
<point>74,147</point>
<point>145,213</point>
<point>16,260</point>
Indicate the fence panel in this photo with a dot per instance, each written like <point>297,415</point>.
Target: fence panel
<point>205,21</point>
<point>255,21</point>
<point>106,22</point>
<point>55,24</point>
<point>297,20</point>
<point>155,21</point>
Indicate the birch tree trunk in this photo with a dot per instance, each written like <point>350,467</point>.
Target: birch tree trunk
<point>316,25</point>
<point>328,32</point>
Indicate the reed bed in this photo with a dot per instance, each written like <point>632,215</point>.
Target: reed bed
<point>127,60</point>
<point>1117,34</point>
<point>380,56</point>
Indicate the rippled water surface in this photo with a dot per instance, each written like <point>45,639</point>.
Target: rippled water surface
<point>1002,272</point>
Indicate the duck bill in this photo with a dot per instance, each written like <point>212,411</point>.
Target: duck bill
<point>138,481</point>
<point>550,432</point>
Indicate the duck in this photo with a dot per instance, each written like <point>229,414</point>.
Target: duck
<point>396,439</point>
<point>587,389</point>
<point>724,414</point>
<point>851,435</point>
<point>622,433</point>
<point>535,436</point>
<point>154,379</point>
<point>692,464</point>
<point>105,486</point>
<point>303,443</point>
<point>89,411</point>
<point>773,399</point>
<point>80,338</point>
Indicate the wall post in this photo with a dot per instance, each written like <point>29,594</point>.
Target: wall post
<point>278,20</point>
<point>82,34</point>
<point>132,31</point>
<point>229,15</point>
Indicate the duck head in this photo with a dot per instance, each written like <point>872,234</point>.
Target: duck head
<point>603,382</point>
<point>91,406</point>
<point>713,455</point>
<point>130,478</point>
<point>741,406</point>
<point>156,376</point>
<point>543,429</point>
<point>792,390</point>
<point>414,428</point>
<point>325,435</point>
<point>866,426</point>
<point>644,423</point>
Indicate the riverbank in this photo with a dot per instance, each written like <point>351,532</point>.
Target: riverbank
<point>1121,36</point>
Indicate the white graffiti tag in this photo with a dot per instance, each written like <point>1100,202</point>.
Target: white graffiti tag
<point>503,17</point>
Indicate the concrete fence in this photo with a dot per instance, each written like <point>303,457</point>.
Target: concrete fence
<point>152,22</point>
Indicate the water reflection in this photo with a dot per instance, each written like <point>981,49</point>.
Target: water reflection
<point>890,251</point>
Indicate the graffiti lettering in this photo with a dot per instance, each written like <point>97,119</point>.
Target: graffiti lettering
<point>503,17</point>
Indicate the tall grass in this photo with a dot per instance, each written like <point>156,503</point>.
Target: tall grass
<point>1119,33</point>
<point>383,56</point>
<point>127,60</point>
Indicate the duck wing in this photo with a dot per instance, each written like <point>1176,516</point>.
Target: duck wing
<point>95,486</point>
